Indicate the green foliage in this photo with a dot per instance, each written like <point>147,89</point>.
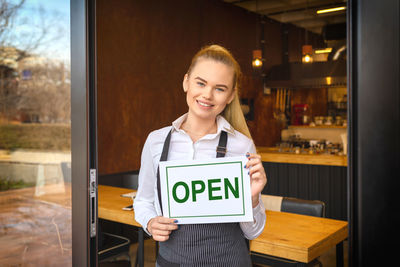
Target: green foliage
<point>6,184</point>
<point>35,136</point>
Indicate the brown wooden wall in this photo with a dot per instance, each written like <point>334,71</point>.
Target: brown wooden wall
<point>143,51</point>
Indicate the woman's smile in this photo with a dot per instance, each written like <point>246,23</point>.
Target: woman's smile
<point>204,104</point>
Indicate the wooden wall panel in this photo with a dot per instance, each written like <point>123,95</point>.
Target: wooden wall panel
<point>140,72</point>
<point>143,51</point>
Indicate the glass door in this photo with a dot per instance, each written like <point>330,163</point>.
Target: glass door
<point>84,152</point>
<point>35,134</point>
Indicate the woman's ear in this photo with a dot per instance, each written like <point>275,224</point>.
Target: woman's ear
<point>232,96</point>
<point>185,82</point>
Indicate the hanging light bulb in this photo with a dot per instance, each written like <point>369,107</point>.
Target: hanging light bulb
<point>307,54</point>
<point>307,58</point>
<point>257,59</point>
<point>257,63</point>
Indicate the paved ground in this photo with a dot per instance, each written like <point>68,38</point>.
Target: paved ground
<point>35,230</point>
<point>29,156</point>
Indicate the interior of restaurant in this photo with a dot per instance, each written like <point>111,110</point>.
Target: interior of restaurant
<point>293,91</point>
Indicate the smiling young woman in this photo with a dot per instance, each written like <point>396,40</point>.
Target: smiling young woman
<point>208,90</point>
<point>211,86</point>
<point>232,112</point>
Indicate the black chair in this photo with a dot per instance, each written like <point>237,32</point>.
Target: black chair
<point>314,208</point>
<point>111,247</point>
<point>293,205</point>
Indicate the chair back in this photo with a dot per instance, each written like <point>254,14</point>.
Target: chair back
<point>292,205</point>
<point>271,202</point>
<point>305,207</point>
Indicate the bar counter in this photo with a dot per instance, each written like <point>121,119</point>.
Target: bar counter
<point>271,154</point>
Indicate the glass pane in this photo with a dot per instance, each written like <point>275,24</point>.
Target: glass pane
<point>35,133</point>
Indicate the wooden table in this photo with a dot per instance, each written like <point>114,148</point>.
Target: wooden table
<point>300,238</point>
<point>110,204</point>
<point>286,235</point>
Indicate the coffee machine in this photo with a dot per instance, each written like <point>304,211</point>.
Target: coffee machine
<point>301,114</point>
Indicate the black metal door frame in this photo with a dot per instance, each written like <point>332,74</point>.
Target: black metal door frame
<point>374,132</point>
<point>83,133</point>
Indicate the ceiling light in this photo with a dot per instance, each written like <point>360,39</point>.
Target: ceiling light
<point>323,51</point>
<point>257,63</point>
<point>307,59</point>
<point>328,80</point>
<point>333,9</point>
<point>307,54</point>
<point>257,59</point>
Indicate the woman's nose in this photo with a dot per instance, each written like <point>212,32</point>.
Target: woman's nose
<point>207,93</point>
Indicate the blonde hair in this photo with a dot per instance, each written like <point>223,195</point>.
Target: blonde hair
<point>233,112</point>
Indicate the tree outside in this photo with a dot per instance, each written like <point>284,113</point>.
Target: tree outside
<point>34,86</point>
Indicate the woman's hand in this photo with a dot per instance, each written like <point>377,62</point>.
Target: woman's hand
<point>258,178</point>
<point>161,227</point>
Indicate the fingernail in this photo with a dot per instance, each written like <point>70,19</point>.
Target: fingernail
<point>175,221</point>
<point>248,172</point>
<point>245,166</point>
<point>247,154</point>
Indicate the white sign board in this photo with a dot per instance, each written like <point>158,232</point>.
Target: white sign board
<point>206,191</point>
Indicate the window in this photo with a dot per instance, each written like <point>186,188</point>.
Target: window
<point>35,133</point>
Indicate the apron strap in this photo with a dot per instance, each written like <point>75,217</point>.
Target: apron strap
<point>164,157</point>
<point>221,148</point>
<point>221,151</point>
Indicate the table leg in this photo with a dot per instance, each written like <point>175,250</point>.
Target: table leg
<point>339,255</point>
<point>140,255</point>
<point>156,248</point>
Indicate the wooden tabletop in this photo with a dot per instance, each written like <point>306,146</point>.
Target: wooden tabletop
<point>271,154</point>
<point>287,235</point>
<point>298,237</point>
<point>110,204</point>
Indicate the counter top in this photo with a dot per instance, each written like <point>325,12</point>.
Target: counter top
<point>271,154</point>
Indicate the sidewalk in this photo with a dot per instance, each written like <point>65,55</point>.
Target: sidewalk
<point>35,166</point>
<point>38,157</point>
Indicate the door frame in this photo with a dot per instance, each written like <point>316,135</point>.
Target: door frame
<point>83,133</point>
<point>374,130</point>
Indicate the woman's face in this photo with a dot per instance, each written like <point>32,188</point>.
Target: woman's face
<point>209,88</point>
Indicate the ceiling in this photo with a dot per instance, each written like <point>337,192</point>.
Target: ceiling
<point>301,13</point>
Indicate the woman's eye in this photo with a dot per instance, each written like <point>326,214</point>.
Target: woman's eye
<point>220,89</point>
<point>200,84</point>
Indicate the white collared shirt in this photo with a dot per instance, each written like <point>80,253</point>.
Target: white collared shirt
<point>146,202</point>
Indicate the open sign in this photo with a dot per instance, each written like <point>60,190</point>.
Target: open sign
<point>206,191</point>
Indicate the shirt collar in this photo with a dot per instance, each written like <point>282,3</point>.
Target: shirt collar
<point>222,124</point>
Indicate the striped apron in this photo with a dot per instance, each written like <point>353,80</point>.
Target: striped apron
<point>217,244</point>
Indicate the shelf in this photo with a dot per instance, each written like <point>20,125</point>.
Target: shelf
<point>318,126</point>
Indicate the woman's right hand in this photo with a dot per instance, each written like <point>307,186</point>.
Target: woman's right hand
<point>161,227</point>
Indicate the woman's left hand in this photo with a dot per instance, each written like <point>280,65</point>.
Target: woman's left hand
<point>258,178</point>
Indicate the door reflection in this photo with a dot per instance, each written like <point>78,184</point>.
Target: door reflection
<point>35,138</point>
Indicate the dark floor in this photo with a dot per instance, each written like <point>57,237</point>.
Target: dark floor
<point>328,259</point>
